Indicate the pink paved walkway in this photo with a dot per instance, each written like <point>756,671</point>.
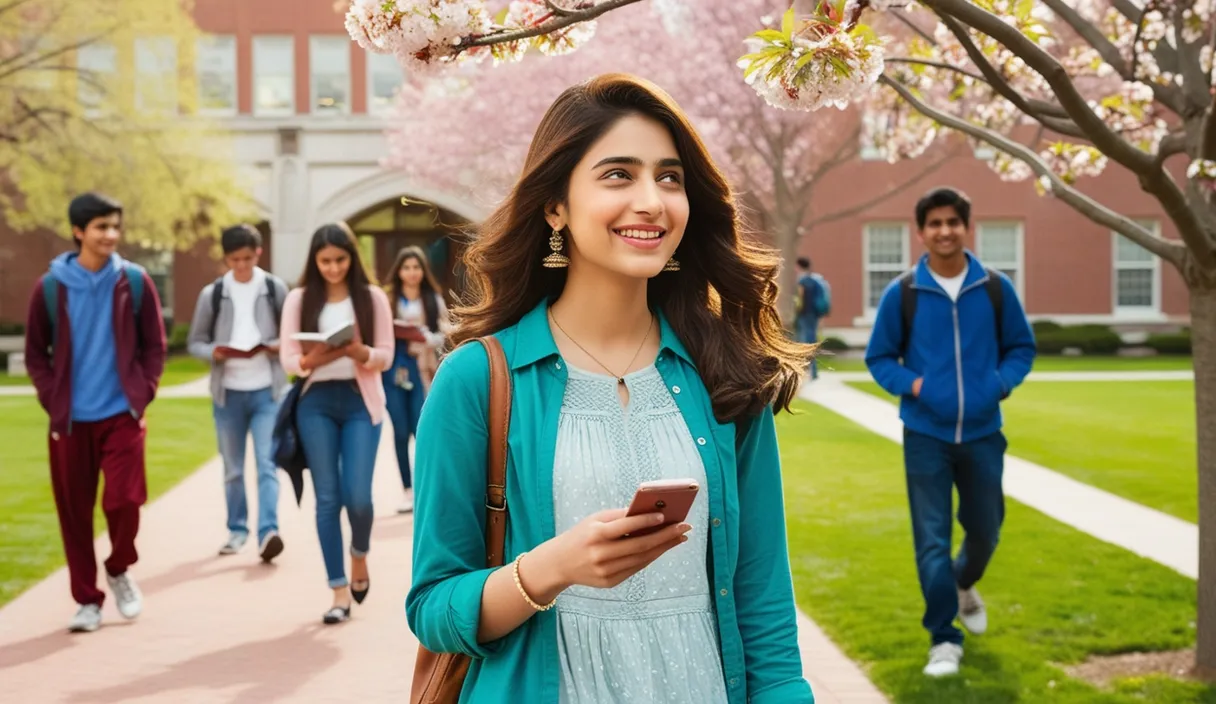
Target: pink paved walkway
<point>229,629</point>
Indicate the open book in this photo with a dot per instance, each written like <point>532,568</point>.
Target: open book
<point>243,352</point>
<point>335,337</point>
<point>408,331</point>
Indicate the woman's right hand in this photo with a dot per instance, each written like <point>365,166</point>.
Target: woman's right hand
<point>595,553</point>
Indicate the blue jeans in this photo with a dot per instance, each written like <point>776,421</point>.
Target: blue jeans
<point>404,408</point>
<point>807,331</point>
<point>933,469</point>
<point>340,444</point>
<point>243,413</point>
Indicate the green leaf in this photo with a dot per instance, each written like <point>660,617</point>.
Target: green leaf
<point>772,35</point>
<point>787,23</point>
<point>803,60</point>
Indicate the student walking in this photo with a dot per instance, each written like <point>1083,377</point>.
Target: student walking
<point>951,339</point>
<point>814,303</point>
<point>422,318</point>
<point>95,350</point>
<point>236,329</point>
<point>340,412</point>
<point>643,343</point>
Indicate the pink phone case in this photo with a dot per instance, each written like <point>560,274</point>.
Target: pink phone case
<point>671,497</point>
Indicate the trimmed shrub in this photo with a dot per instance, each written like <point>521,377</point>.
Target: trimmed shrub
<point>833,344</point>
<point>1090,339</point>
<point>1045,326</point>
<point>1170,343</point>
<point>177,337</point>
<point>12,329</point>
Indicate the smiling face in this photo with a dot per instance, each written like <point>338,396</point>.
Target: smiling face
<point>626,207</point>
<point>333,263</point>
<point>944,232</point>
<point>410,272</point>
<point>100,237</point>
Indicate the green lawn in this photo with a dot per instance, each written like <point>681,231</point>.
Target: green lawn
<point>1054,594</point>
<point>1134,439</point>
<point>180,438</point>
<point>178,370</point>
<point>1051,364</point>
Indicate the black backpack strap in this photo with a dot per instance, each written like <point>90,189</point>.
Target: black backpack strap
<point>996,294</point>
<point>275,304</point>
<point>217,297</point>
<point>907,308</point>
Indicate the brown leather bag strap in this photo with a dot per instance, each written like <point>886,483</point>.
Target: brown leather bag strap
<point>496,465</point>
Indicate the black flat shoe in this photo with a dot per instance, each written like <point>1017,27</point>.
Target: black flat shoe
<point>338,614</point>
<point>360,594</point>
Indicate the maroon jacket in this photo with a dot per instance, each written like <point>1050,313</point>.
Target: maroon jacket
<point>140,354</point>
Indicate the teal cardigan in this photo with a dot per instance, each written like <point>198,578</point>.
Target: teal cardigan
<point>749,559</point>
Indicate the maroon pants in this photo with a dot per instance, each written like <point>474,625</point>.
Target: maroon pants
<point>114,446</point>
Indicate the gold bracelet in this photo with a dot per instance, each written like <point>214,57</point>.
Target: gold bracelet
<point>520,586</point>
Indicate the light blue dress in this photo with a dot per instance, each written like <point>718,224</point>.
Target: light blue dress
<point>652,638</point>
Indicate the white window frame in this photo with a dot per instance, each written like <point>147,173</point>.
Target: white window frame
<point>84,87</point>
<point>344,43</point>
<point>1019,250</point>
<point>149,44</point>
<point>372,58</point>
<point>293,101</point>
<point>211,41</point>
<point>1154,265</point>
<point>867,267</point>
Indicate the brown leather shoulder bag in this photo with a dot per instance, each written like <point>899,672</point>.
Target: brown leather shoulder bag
<point>439,677</point>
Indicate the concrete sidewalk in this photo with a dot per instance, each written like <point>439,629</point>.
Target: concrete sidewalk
<point>229,629</point>
<point>1147,532</point>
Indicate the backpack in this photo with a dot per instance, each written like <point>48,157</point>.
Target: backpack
<point>908,299</point>
<point>50,294</point>
<point>823,302</point>
<point>217,295</point>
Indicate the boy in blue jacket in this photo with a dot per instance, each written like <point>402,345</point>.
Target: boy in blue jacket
<point>952,341</point>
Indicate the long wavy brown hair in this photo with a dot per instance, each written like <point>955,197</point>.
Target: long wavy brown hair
<point>722,303</point>
<point>429,288</point>
<point>337,234</point>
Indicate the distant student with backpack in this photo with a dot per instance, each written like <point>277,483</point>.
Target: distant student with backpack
<point>95,350</point>
<point>236,329</point>
<point>814,304</point>
<point>951,339</point>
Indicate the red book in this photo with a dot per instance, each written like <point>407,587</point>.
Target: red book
<point>235,353</point>
<point>406,331</point>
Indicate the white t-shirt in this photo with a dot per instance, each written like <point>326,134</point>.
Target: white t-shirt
<point>333,315</point>
<point>254,373</point>
<point>953,285</point>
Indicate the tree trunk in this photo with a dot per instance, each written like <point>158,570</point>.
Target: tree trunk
<point>787,242</point>
<point>1203,343</point>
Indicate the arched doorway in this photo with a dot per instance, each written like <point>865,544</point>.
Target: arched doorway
<point>384,228</point>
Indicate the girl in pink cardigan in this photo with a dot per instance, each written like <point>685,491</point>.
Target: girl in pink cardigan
<point>340,412</point>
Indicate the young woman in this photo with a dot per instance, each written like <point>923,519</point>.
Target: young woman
<point>644,343</point>
<point>418,302</point>
<point>342,405</point>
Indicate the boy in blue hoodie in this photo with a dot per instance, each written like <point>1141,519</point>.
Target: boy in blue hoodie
<point>952,341</point>
<point>95,350</point>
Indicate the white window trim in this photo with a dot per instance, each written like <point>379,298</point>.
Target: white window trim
<point>1019,250</point>
<point>173,72</point>
<point>219,112</point>
<point>344,42</point>
<point>99,109</point>
<point>370,84</point>
<point>1117,310</point>
<point>905,255</point>
<point>291,109</point>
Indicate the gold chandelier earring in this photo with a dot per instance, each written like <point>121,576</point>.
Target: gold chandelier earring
<point>672,264</point>
<point>556,260</point>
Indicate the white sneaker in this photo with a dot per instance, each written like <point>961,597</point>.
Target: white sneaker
<point>235,542</point>
<point>971,611</point>
<point>407,506</point>
<point>86,620</point>
<point>127,594</point>
<point>944,659</point>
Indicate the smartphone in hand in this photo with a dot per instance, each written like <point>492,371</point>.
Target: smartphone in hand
<point>671,497</point>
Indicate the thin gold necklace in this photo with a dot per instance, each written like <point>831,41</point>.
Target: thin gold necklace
<point>620,379</point>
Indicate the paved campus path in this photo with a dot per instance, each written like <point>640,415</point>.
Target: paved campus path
<point>1149,533</point>
<point>229,629</point>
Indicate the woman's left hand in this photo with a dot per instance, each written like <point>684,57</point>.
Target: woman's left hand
<point>358,352</point>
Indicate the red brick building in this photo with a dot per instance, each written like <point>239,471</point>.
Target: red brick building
<point>305,107</point>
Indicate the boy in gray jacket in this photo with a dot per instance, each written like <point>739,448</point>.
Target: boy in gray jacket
<point>236,328</point>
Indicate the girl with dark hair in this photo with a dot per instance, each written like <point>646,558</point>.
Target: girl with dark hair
<point>418,305</point>
<point>643,342</point>
<point>342,406</point>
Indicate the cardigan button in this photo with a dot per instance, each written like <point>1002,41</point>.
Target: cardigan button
<point>733,681</point>
<point>717,522</point>
<point>700,441</point>
<point>724,592</point>
<point>675,389</point>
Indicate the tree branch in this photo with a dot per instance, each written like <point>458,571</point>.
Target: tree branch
<point>1109,143</point>
<point>1169,251</point>
<point>894,190</point>
<point>561,21</point>
<point>1052,116</point>
<point>935,64</point>
<point>902,17</point>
